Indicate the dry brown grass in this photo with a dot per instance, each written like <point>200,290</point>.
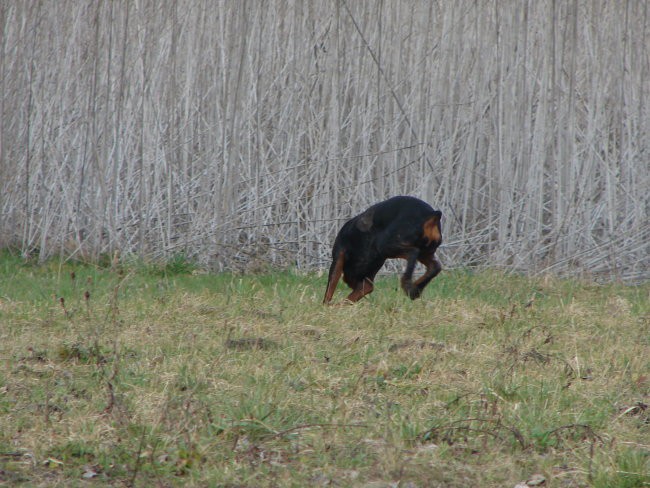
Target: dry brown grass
<point>248,381</point>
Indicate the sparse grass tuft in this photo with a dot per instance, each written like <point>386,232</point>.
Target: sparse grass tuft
<point>138,378</point>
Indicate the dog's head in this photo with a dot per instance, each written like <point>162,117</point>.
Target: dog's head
<point>432,228</point>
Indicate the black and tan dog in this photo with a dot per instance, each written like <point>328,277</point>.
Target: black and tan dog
<point>401,227</point>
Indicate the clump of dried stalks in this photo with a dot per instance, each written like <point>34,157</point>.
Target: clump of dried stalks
<point>242,133</point>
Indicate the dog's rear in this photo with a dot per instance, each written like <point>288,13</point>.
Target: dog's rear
<point>401,227</point>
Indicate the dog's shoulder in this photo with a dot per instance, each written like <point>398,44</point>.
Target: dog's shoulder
<point>399,208</point>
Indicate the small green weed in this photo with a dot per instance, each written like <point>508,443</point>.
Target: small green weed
<point>630,469</point>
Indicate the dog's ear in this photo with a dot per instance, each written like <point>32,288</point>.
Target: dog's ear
<point>364,222</point>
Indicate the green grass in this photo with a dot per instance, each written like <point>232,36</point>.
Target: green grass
<point>162,376</point>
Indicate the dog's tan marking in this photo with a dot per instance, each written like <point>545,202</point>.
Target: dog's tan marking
<point>431,229</point>
<point>333,278</point>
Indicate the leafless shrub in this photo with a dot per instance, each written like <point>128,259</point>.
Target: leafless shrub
<point>157,129</point>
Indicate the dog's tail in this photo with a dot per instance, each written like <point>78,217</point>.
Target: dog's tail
<point>336,270</point>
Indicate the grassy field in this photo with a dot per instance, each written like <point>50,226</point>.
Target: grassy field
<point>144,375</point>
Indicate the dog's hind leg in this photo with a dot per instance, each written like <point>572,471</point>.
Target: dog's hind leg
<point>362,288</point>
<point>336,270</point>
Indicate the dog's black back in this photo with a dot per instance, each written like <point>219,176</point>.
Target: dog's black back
<point>401,227</point>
